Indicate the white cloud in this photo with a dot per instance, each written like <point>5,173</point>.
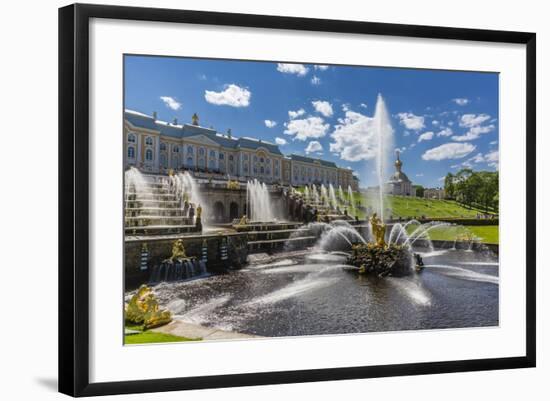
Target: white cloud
<point>170,102</point>
<point>493,142</point>
<point>298,69</point>
<point>445,132</point>
<point>315,80</point>
<point>426,136</point>
<point>270,123</point>
<point>461,101</point>
<point>411,121</point>
<point>363,105</point>
<point>321,67</point>
<point>294,114</point>
<point>435,122</point>
<point>323,107</point>
<point>233,96</point>
<point>354,138</point>
<point>203,77</point>
<point>473,133</point>
<point>345,107</point>
<point>280,141</point>
<point>314,146</point>
<point>420,175</point>
<point>406,133</point>
<point>449,151</point>
<point>491,158</point>
<point>472,120</point>
<point>311,127</point>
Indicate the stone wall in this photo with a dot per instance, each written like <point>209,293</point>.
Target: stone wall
<point>161,249</point>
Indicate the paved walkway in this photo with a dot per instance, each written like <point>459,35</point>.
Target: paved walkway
<point>190,330</point>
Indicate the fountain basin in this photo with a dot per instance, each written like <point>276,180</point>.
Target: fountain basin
<point>390,260</point>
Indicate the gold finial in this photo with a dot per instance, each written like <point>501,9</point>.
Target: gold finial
<point>195,119</point>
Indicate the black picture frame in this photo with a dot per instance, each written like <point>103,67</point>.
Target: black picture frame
<point>74,198</point>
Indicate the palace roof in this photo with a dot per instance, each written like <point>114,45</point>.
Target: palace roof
<point>305,159</point>
<point>187,130</point>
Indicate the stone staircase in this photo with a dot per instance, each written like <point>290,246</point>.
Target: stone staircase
<point>153,208</point>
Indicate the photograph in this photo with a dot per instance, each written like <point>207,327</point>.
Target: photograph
<point>283,199</point>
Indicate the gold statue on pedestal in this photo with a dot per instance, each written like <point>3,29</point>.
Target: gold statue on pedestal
<point>243,221</point>
<point>195,119</point>
<point>378,230</point>
<point>143,309</point>
<point>178,250</point>
<point>199,211</point>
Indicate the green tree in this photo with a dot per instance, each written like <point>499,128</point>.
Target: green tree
<point>419,191</point>
<point>449,186</point>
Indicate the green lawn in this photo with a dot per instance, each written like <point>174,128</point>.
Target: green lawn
<point>486,234</point>
<point>407,206</point>
<point>148,337</point>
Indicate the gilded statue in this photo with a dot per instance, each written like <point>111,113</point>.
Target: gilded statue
<point>378,230</point>
<point>243,221</point>
<point>199,211</point>
<point>195,119</point>
<point>178,251</point>
<point>143,309</point>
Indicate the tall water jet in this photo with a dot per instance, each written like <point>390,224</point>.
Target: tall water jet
<point>324,195</point>
<point>332,195</point>
<point>315,194</point>
<point>383,135</point>
<point>259,202</point>
<point>187,189</point>
<point>341,193</point>
<point>306,193</point>
<point>135,185</point>
<point>351,200</point>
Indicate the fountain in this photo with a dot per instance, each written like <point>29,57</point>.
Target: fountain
<point>383,133</point>
<point>260,208</point>
<point>332,194</point>
<point>351,201</point>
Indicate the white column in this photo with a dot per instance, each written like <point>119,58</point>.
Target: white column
<point>157,154</point>
<point>138,150</point>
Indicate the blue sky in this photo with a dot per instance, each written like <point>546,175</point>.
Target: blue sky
<point>442,120</point>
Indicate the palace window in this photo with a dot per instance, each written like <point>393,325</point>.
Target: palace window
<point>189,161</point>
<point>201,151</point>
<point>202,163</point>
<point>261,159</point>
<point>276,171</point>
<point>176,149</point>
<point>245,157</point>
<point>268,171</point>
<point>163,161</point>
<point>221,156</point>
<point>175,162</point>
<point>162,146</point>
<point>148,155</point>
<point>131,152</point>
<point>149,141</point>
<point>212,164</point>
<point>230,158</point>
<point>190,149</point>
<point>255,159</point>
<point>276,163</point>
<point>245,168</point>
<point>262,170</point>
<point>212,153</point>
<point>131,138</point>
